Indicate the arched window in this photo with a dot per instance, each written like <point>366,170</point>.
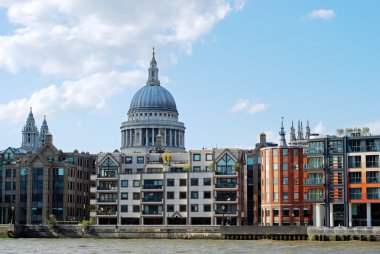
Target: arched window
<point>225,165</point>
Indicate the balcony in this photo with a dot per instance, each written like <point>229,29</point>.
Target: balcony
<point>152,187</point>
<point>225,185</point>
<point>152,213</point>
<point>152,200</point>
<point>314,197</point>
<point>225,212</point>
<point>313,150</point>
<point>107,188</point>
<point>225,173</point>
<point>107,214</point>
<point>314,181</point>
<point>316,166</point>
<point>225,199</point>
<point>108,175</point>
<point>106,200</point>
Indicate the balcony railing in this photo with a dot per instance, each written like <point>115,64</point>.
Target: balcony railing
<point>316,166</point>
<point>227,199</point>
<point>314,181</point>
<point>221,211</point>
<point>225,185</point>
<point>313,151</point>
<point>107,188</point>
<point>108,175</point>
<point>152,187</point>
<point>152,212</point>
<point>227,173</point>
<point>152,199</point>
<point>111,213</point>
<point>314,197</point>
<point>107,200</point>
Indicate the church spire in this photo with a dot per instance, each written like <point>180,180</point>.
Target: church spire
<point>30,133</point>
<point>43,132</point>
<point>153,71</point>
<point>282,134</point>
<point>307,131</point>
<point>292,133</point>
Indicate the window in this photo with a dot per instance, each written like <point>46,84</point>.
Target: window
<point>206,194</point>
<point>285,212</point>
<point>372,161</point>
<point>354,161</point>
<point>275,195</point>
<point>136,208</point>
<point>209,157</point>
<point>194,195</point>
<point>170,208</point>
<point>206,181</point>
<point>276,213</point>
<point>275,152</point>
<point>356,177</point>
<point>296,195</point>
<point>275,180</point>
<point>124,183</point>
<point>296,181</point>
<point>295,166</point>
<point>124,195</point>
<point>206,208</point>
<point>136,183</point>
<point>140,159</point>
<point>295,152</point>
<point>170,195</point>
<point>182,208</point>
<point>194,181</point>
<point>355,193</point>
<point>196,169</point>
<point>124,208</point>
<point>8,186</point>
<point>305,212</point>
<point>284,152</point>
<point>285,181</point>
<point>285,195</point>
<point>226,166</point>
<point>296,212</point>
<point>373,193</point>
<point>196,157</point>
<point>170,182</point>
<point>8,173</point>
<point>194,208</point>
<point>285,166</point>
<point>136,196</point>
<point>373,177</point>
<point>182,182</point>
<point>275,166</point>
<point>128,159</point>
<point>182,195</point>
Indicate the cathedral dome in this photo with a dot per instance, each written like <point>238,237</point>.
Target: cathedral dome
<point>153,97</point>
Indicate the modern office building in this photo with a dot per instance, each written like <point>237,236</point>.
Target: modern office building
<point>346,177</point>
<point>43,181</point>
<point>282,201</point>
<point>199,187</point>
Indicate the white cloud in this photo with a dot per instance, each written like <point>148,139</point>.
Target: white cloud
<point>245,105</point>
<point>374,127</point>
<point>321,14</point>
<point>89,42</point>
<point>88,94</point>
<point>320,128</point>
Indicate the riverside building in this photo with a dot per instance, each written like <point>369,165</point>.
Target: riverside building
<point>38,180</point>
<point>154,181</point>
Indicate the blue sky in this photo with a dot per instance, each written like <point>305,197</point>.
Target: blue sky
<point>234,67</point>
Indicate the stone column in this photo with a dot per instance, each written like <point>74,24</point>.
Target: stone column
<point>122,138</point>
<point>318,216</point>
<point>171,137</point>
<point>153,137</point>
<point>146,136</point>
<point>331,215</point>
<point>165,141</point>
<point>130,138</point>
<point>175,138</point>
<point>350,214</point>
<point>369,222</point>
<point>140,143</point>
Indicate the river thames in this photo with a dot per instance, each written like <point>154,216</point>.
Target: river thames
<point>147,246</point>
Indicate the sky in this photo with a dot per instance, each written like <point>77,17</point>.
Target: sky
<point>234,67</point>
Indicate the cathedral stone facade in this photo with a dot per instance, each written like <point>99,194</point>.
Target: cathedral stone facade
<point>152,119</point>
<point>32,139</point>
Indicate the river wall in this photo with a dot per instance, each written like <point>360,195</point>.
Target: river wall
<point>292,233</point>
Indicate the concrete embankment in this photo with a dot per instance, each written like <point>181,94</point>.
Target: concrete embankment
<point>273,233</point>
<point>126,232</point>
<point>344,233</point>
<point>5,229</point>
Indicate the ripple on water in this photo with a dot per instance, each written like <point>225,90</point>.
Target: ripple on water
<point>147,246</point>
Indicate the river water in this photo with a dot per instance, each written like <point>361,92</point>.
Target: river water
<point>146,246</point>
